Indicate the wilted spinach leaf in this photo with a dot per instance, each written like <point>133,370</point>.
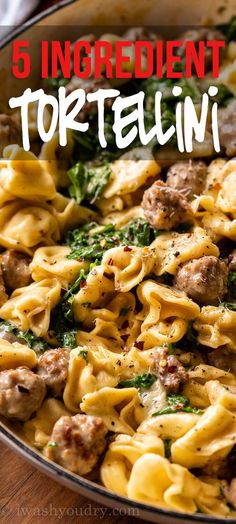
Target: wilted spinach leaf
<point>88,183</point>
<point>144,381</point>
<point>88,245</point>
<point>177,403</point>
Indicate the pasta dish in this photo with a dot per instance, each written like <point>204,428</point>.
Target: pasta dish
<point>118,296</point>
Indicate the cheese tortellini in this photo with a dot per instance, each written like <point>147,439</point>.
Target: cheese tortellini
<point>24,176</point>
<point>216,326</point>
<point>30,307</point>
<point>51,262</point>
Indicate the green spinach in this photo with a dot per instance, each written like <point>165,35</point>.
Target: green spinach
<point>88,245</point>
<point>144,381</point>
<point>177,403</point>
<point>88,183</point>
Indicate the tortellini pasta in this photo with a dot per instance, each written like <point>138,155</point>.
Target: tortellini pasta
<point>133,464</point>
<point>216,207</point>
<point>128,175</point>
<point>91,369</point>
<point>69,214</point>
<point>129,265</point>
<point>176,488</point>
<point>24,176</point>
<point>172,427</point>
<point>116,319</point>
<point>210,439</point>
<point>160,304</point>
<point>119,408</point>
<point>51,261</point>
<point>122,455</point>
<point>218,225</point>
<point>173,249</point>
<point>23,227</point>
<point>15,354</point>
<point>30,307</point>
<point>121,219</point>
<point>197,389</point>
<point>216,326</point>
<point>97,291</point>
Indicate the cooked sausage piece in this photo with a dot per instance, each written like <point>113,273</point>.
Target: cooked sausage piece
<point>90,85</point>
<point>171,373</point>
<point>76,442</point>
<point>229,491</point>
<point>9,131</point>
<point>226,126</point>
<point>203,279</point>
<point>53,369</point>
<point>164,207</point>
<point>223,359</point>
<point>15,269</point>
<point>232,261</point>
<point>205,34</point>
<point>188,177</point>
<point>21,393</point>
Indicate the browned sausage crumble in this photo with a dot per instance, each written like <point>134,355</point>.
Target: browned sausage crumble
<point>188,176</point>
<point>21,393</point>
<point>15,269</point>
<point>78,442</point>
<point>53,369</point>
<point>165,207</point>
<point>203,279</point>
<point>170,371</point>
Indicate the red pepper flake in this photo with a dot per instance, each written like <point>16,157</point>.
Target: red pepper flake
<point>125,324</point>
<point>139,345</point>
<point>127,248</point>
<point>110,263</point>
<point>125,337</point>
<point>82,283</point>
<point>171,369</point>
<point>217,186</point>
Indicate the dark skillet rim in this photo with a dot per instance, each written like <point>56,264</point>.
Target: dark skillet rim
<point>32,21</point>
<point>8,438</point>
